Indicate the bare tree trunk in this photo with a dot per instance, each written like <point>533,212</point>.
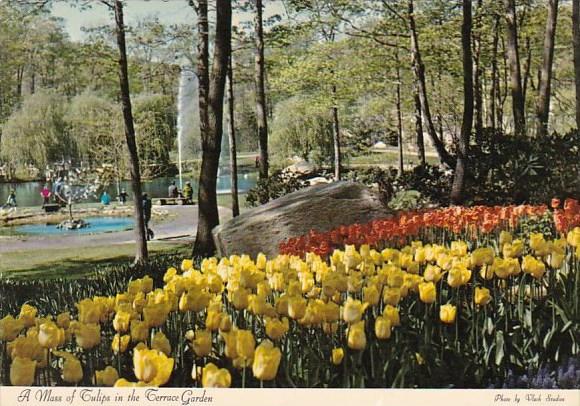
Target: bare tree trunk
<point>477,74</point>
<point>261,115</point>
<point>419,73</point>
<point>140,236</point>
<point>336,136</point>
<point>527,69</point>
<point>576,42</point>
<point>232,142</point>
<point>419,128</point>
<point>543,102</point>
<point>399,114</point>
<point>494,75</point>
<point>518,103</point>
<point>208,216</point>
<point>457,189</point>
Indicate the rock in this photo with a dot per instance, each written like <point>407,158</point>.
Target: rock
<point>321,207</point>
<point>380,145</point>
<point>302,168</point>
<point>318,180</point>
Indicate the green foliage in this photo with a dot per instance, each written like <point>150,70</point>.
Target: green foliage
<point>279,184</point>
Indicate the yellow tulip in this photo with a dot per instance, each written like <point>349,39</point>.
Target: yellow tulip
<point>50,335</point>
<point>487,271</point>
<point>382,328</point>
<point>225,323</point>
<point>556,260</point>
<point>161,343</point>
<point>120,343</point>
<point>296,307</point>
<point>245,344</point>
<point>10,328</point>
<point>427,292</point>
<point>330,312</point>
<point>513,250</point>
<point>392,296</point>
<point>202,343</point>
<point>533,266</point>
<point>573,237</point>
<point>276,328</point>
<point>155,314</point>
<point>432,273</point>
<point>239,298</point>
<point>505,237</point>
<point>186,265</point>
<point>447,313</point>
<point>63,320</point>
<point>214,377</point>
<point>539,244</point>
<point>72,370</point>
<point>139,331</point>
<point>26,347</point>
<point>482,296</point>
<point>146,284</point>
<point>458,276</point>
<point>87,335</point>
<point>330,328</point>
<point>230,350</point>
<point>89,311</point>
<point>151,366</point>
<point>392,313</point>
<point>28,315</point>
<point>371,295</point>
<point>213,320</point>
<point>500,268</point>
<point>337,356</point>
<point>482,256</point>
<point>353,310</point>
<point>22,371</point>
<point>266,361</point>
<point>357,339</point>
<point>121,321</point>
<point>107,376</point>
<point>194,300</point>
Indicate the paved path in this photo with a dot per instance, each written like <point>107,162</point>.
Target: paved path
<point>182,225</point>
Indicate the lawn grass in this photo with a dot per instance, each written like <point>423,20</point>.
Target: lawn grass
<point>389,158</point>
<point>62,263</point>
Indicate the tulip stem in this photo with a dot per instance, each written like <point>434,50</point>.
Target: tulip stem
<point>244,377</point>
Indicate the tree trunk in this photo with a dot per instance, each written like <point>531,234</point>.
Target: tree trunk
<point>208,216</point>
<point>261,115</point>
<point>419,128</point>
<point>494,75</point>
<point>543,102</point>
<point>477,75</point>
<point>399,115</point>
<point>140,236</point>
<point>527,70</point>
<point>457,190</point>
<point>232,142</point>
<point>419,73</point>
<point>336,136</point>
<point>576,42</point>
<point>518,103</point>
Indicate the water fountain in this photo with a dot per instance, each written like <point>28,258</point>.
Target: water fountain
<point>187,114</point>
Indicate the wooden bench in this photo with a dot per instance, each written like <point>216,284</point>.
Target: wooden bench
<point>51,208</point>
<point>164,201</point>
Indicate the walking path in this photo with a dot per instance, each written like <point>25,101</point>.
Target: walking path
<point>181,225</point>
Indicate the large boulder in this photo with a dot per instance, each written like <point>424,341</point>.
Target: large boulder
<point>320,207</point>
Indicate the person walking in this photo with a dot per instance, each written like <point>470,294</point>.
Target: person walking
<point>45,194</point>
<point>11,202</point>
<point>146,202</point>
<point>188,193</point>
<point>123,196</point>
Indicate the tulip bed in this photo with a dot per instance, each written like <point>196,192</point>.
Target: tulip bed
<point>447,298</point>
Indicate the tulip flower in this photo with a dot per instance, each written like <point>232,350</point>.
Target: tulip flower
<point>296,307</point>
<point>245,344</point>
<point>10,328</point>
<point>337,356</point>
<point>513,250</point>
<point>139,331</point>
<point>556,260</point>
<point>87,335</point>
<point>276,328</point>
<point>482,296</point>
<point>89,311</point>
<point>186,265</point>
<point>22,371</point>
<point>540,246</point>
<point>392,313</point>
<point>357,339</point>
<point>382,328</point>
<point>533,266</point>
<point>202,343</point>
<point>505,237</point>
<point>155,314</point>
<point>107,376</point>
<point>353,310</point>
<point>121,321</point>
<point>432,273</point>
<point>72,370</point>
<point>427,292</point>
<point>50,335</point>
<point>447,313</point>
<point>392,296</point>
<point>63,320</point>
<point>151,366</point>
<point>371,295</point>
<point>161,343</point>
<point>214,377</point>
<point>573,237</point>
<point>225,323</point>
<point>27,315</point>
<point>482,256</point>
<point>120,343</point>
<point>266,361</point>
<point>26,347</point>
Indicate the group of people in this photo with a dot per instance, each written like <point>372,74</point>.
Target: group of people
<point>186,194</point>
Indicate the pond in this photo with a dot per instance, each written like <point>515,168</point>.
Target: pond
<point>28,193</point>
<point>96,225</point>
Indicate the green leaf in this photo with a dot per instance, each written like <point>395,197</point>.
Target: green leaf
<point>499,347</point>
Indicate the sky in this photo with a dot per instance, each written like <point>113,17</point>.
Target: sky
<point>168,12</point>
